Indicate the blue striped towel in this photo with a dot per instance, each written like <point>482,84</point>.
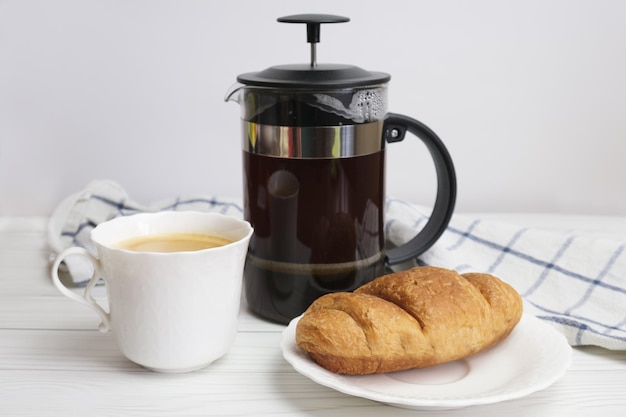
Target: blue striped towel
<point>574,281</point>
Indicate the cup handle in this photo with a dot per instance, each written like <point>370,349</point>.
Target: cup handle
<point>86,298</point>
<point>394,129</point>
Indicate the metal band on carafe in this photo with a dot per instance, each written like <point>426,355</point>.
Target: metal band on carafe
<point>313,142</point>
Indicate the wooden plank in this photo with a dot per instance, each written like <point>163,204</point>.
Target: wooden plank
<point>215,392</point>
<point>97,352</point>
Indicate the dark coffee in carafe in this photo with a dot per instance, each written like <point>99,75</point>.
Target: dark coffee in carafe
<point>314,180</point>
<point>314,183</point>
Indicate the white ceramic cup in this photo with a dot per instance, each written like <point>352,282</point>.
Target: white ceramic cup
<point>169,312</point>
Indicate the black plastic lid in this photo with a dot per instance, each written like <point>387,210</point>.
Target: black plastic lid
<point>303,76</point>
<point>313,75</point>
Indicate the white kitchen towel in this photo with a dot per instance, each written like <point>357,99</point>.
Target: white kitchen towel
<point>573,280</point>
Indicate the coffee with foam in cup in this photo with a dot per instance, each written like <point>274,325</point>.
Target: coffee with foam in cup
<point>172,242</point>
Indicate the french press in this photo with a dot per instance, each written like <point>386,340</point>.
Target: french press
<point>314,138</point>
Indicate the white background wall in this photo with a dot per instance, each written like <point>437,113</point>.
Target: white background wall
<point>529,96</point>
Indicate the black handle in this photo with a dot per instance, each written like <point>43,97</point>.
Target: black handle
<point>395,127</point>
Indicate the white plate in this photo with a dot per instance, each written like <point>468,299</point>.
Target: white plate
<point>532,358</point>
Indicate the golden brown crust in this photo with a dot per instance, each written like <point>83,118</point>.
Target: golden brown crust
<point>411,319</point>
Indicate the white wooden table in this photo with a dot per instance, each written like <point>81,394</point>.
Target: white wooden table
<point>53,361</point>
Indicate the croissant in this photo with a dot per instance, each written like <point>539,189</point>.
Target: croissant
<point>417,318</point>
